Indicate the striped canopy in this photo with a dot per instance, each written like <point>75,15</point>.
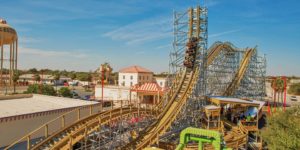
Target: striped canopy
<point>150,87</point>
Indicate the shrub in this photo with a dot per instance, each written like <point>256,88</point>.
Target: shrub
<point>65,92</point>
<point>294,89</point>
<point>283,130</point>
<point>41,89</point>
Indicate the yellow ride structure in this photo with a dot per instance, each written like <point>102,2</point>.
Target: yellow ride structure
<point>160,116</point>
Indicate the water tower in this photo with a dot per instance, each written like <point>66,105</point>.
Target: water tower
<point>9,53</point>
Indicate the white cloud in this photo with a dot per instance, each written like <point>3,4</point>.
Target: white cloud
<point>67,10</point>
<point>52,53</point>
<point>167,46</point>
<point>210,3</point>
<point>143,31</point>
<point>29,40</point>
<point>223,33</point>
<point>79,60</point>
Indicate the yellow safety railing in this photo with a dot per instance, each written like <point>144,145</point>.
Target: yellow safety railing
<point>90,125</point>
<point>58,123</point>
<point>167,120</point>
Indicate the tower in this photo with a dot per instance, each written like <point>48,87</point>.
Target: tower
<point>9,53</point>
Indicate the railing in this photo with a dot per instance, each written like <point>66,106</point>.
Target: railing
<point>211,124</point>
<point>161,109</point>
<point>53,126</point>
<point>249,124</point>
<point>88,125</point>
<point>66,119</point>
<point>222,128</point>
<point>240,139</point>
<point>171,91</point>
<point>165,124</point>
<point>243,129</point>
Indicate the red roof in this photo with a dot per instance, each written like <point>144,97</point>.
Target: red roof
<point>148,87</point>
<point>135,69</point>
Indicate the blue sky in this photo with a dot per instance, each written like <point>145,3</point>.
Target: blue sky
<point>82,34</point>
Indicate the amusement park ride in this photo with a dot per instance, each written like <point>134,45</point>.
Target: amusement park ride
<point>199,75</point>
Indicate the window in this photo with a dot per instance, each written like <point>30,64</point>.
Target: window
<point>130,83</point>
<point>131,77</point>
<point>161,83</point>
<point>123,76</point>
<point>139,77</point>
<point>142,77</point>
<point>147,77</point>
<point>123,83</point>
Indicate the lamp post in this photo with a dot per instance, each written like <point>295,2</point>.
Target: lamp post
<point>102,83</point>
<point>105,69</point>
<point>284,90</point>
<point>102,70</point>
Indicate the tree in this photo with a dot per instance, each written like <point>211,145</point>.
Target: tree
<point>294,89</point>
<point>41,89</point>
<point>114,77</point>
<point>56,78</point>
<point>65,92</point>
<point>283,130</point>
<point>64,73</point>
<point>33,71</point>
<point>37,77</point>
<point>84,76</point>
<point>46,71</point>
<point>72,76</point>
<point>32,89</point>
<point>15,79</point>
<point>48,90</point>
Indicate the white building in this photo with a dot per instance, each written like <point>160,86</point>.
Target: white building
<point>161,81</point>
<point>112,92</point>
<point>21,114</point>
<point>45,78</point>
<point>134,75</point>
<point>137,83</point>
<point>293,81</point>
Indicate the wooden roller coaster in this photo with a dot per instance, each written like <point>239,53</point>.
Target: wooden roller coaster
<point>164,113</point>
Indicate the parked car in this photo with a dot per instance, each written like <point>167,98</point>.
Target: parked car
<point>86,97</point>
<point>293,98</point>
<point>66,84</point>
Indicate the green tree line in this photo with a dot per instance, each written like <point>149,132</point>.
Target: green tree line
<point>294,89</point>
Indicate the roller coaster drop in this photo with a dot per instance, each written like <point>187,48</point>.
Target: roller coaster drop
<point>195,72</point>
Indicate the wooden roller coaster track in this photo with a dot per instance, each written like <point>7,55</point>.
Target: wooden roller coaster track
<point>165,111</point>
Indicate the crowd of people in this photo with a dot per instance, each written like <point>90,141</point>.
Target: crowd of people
<point>237,117</point>
<point>190,53</point>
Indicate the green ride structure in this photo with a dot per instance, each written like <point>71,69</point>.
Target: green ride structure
<point>201,136</point>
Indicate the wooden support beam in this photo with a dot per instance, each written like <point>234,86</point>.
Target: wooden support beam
<point>28,142</point>
<point>91,109</point>
<point>78,114</point>
<point>46,130</point>
<point>63,121</point>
